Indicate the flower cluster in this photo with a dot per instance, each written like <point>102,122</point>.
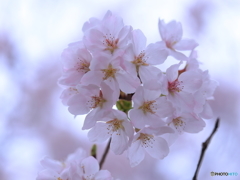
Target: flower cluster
<point>77,167</point>
<point>113,65</point>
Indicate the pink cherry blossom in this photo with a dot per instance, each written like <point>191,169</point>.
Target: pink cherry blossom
<point>204,94</point>
<point>77,167</point>
<point>113,62</point>
<point>139,60</point>
<point>115,125</point>
<point>182,86</point>
<point>171,34</point>
<point>91,97</point>
<point>186,122</point>
<point>108,69</point>
<point>148,140</point>
<point>68,93</point>
<point>149,107</point>
<point>76,62</point>
<point>55,170</point>
<point>108,36</point>
<point>93,22</point>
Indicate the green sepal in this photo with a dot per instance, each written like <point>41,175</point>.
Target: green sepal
<point>124,105</point>
<point>94,151</point>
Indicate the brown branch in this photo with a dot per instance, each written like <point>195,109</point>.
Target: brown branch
<point>204,147</point>
<point>127,97</point>
<point>105,154</point>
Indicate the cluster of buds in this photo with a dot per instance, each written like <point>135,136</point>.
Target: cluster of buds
<point>113,67</point>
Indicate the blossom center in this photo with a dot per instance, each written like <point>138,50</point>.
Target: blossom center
<point>72,91</point>
<point>175,86</point>
<point>96,101</point>
<point>82,66</point>
<point>114,125</point>
<point>146,139</point>
<point>109,72</point>
<point>140,60</point>
<point>178,123</point>
<point>148,107</point>
<point>110,42</point>
<point>170,44</point>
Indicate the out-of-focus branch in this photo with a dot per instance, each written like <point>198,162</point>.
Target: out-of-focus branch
<point>105,154</point>
<point>204,147</point>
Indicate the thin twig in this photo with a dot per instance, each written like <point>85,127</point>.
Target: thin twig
<point>105,154</point>
<point>204,147</point>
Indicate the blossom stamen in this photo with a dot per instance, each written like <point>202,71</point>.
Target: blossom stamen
<point>140,60</point>
<point>109,72</point>
<point>110,42</point>
<point>114,125</point>
<point>82,66</point>
<point>146,139</point>
<point>175,86</point>
<point>148,107</point>
<point>178,123</point>
<point>96,101</point>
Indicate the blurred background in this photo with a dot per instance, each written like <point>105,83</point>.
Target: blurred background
<point>33,121</point>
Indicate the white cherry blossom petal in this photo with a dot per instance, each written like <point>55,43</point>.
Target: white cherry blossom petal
<point>103,175</point>
<point>47,174</point>
<point>51,164</point>
<point>137,118</point>
<point>158,148</point>
<point>191,80</point>
<point>185,44</point>
<point>156,53</point>
<point>77,105</point>
<point>119,142</point>
<point>207,112</point>
<point>136,153</point>
<point>139,41</point>
<point>92,77</point>
<point>94,116</point>
<point>127,83</point>
<point>177,55</point>
<point>98,133</point>
<point>172,72</point>
<point>147,73</point>
<point>170,32</point>
<point>194,126</point>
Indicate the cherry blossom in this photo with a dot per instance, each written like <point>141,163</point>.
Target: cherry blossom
<point>148,140</point>
<point>68,93</point>
<point>149,107</point>
<point>182,86</point>
<point>56,170</point>
<point>186,122</point>
<point>108,69</point>
<point>204,94</point>
<point>76,167</point>
<point>115,125</point>
<point>112,64</point>
<point>171,34</point>
<point>139,60</point>
<point>108,36</point>
<point>76,62</point>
